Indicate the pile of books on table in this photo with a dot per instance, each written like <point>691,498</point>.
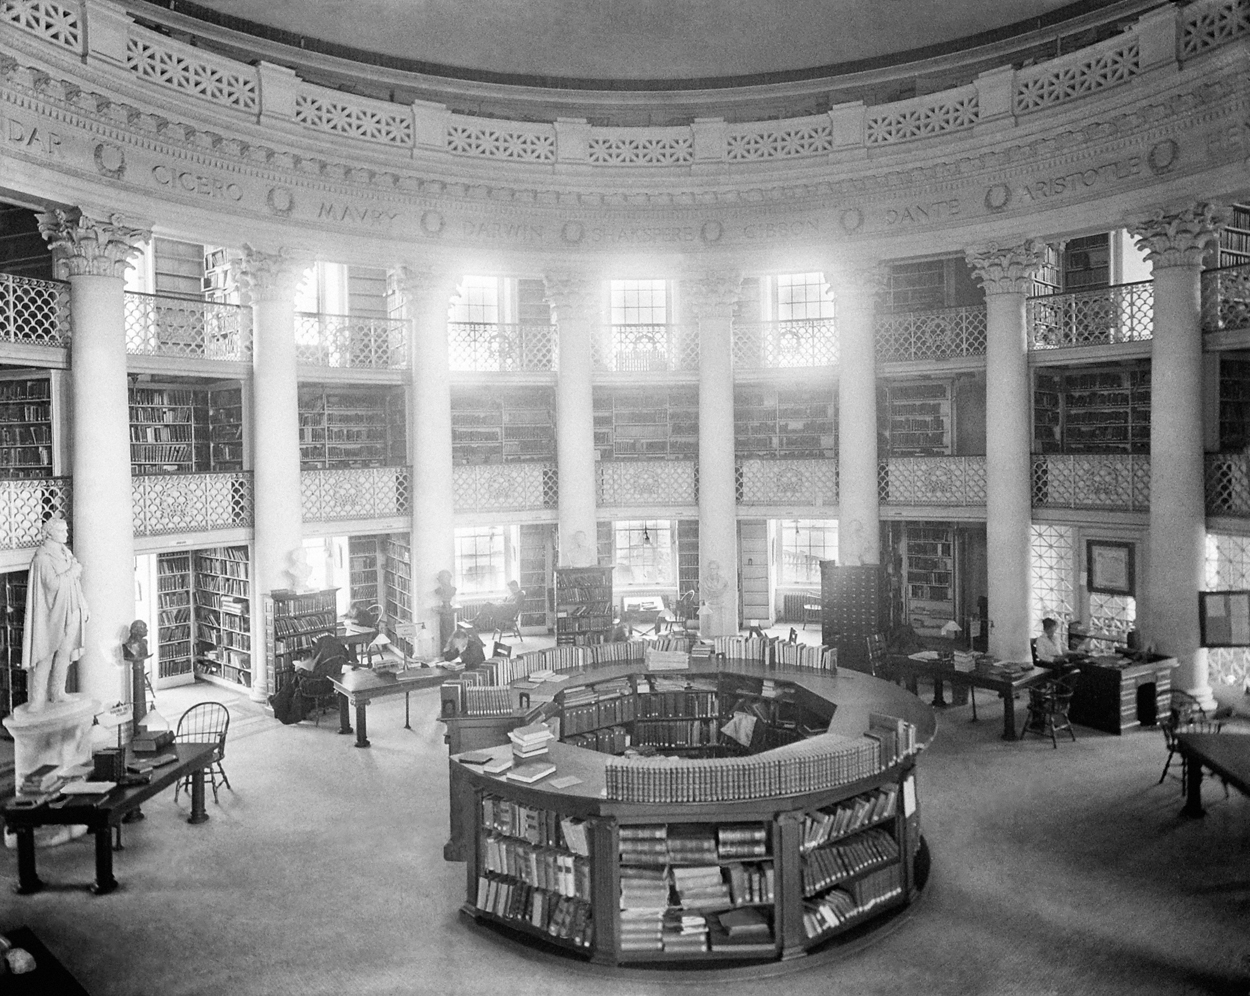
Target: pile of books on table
<point>42,780</point>
<point>529,753</point>
<point>965,660</point>
<point>666,660</point>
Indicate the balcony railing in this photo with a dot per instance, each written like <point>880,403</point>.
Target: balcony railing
<point>797,483</point>
<point>938,334</point>
<point>350,342</point>
<point>355,493</point>
<point>35,312</point>
<point>804,342</point>
<point>1095,317</point>
<point>1226,298</point>
<point>162,325</point>
<point>647,348</point>
<point>1228,484</point>
<point>626,483</point>
<point>491,347</point>
<point>186,503</point>
<point>938,480</point>
<point>504,487</point>
<point>1117,482</point>
<point>25,504</point>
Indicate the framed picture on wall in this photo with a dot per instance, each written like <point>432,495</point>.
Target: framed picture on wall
<point>1109,567</point>
<point>1224,618</point>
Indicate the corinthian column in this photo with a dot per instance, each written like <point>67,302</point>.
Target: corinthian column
<point>267,281</point>
<point>712,297</point>
<point>427,301</point>
<point>859,519</point>
<point>576,301</point>
<point>1006,273</point>
<point>1176,244</point>
<point>92,254</point>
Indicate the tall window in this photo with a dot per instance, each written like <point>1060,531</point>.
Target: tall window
<point>485,556</point>
<point>803,295</point>
<point>480,301</point>
<point>804,544</point>
<point>639,302</point>
<point>644,552</point>
<point>323,290</point>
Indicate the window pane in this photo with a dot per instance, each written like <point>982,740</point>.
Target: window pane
<point>478,301</point>
<point>639,302</point>
<point>804,544</point>
<point>803,295</point>
<point>644,552</point>
<point>480,559</point>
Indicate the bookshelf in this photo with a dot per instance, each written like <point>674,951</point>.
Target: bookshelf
<point>223,632</point>
<point>646,423</point>
<point>1234,402</point>
<point>343,428</point>
<point>365,571</point>
<point>173,620</point>
<point>1234,248</point>
<point>12,623</point>
<point>225,428</point>
<point>26,426</point>
<point>1092,410</point>
<point>915,417</point>
<point>687,556</point>
<point>294,622</point>
<point>785,423</point>
<point>168,430</point>
<point>583,605</point>
<point>397,586</point>
<point>537,550</point>
<point>502,426</point>
<point>929,576</point>
<point>397,429</point>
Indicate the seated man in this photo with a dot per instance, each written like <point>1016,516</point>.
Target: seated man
<point>492,614</point>
<point>1048,648</point>
<point>465,647</point>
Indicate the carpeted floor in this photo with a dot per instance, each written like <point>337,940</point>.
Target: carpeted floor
<point>1061,871</point>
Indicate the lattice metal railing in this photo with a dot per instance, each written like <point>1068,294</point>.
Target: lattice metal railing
<point>1052,590</point>
<point>938,334</point>
<point>490,347</point>
<point>59,23</point>
<point>1228,484</point>
<point>24,506</point>
<point>640,348</point>
<point>632,483</point>
<point>355,493</point>
<point>161,325</point>
<point>34,312</point>
<point>505,487</point>
<point>940,480</point>
<point>804,342</point>
<point>1207,24</point>
<point>1226,298</point>
<point>794,483</point>
<point>1115,481</point>
<point>350,342</point>
<point>162,504</point>
<point>1096,317</point>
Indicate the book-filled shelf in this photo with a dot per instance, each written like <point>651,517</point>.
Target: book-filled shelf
<point>362,553</point>
<point>173,620</point>
<point>223,631</point>
<point>294,622</point>
<point>709,859</point>
<point>397,587</point>
<point>583,605</point>
<point>26,426</point>
<point>12,623</point>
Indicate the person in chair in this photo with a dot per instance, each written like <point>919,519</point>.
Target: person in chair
<point>465,647</point>
<point>1048,647</point>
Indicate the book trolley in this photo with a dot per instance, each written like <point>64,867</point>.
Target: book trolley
<point>771,836</point>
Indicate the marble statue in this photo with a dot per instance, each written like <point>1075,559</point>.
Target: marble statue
<point>581,553</point>
<point>56,617</point>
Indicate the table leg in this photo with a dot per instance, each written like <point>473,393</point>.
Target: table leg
<point>345,716</point>
<point>27,878</point>
<point>362,736</point>
<point>1009,715</point>
<point>407,722</point>
<point>104,880</point>
<point>1193,788</point>
<point>911,684</point>
<point>972,694</point>
<point>198,813</point>
<point>939,688</point>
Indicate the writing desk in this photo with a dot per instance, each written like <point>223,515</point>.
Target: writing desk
<point>1003,682</point>
<point>363,686</point>
<point>101,817</point>
<point>1227,755</point>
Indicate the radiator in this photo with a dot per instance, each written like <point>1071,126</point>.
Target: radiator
<point>792,604</point>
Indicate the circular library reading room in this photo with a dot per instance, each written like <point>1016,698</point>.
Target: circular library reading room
<point>544,497</point>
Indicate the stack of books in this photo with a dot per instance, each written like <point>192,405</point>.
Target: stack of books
<point>529,752</point>
<point>741,842</point>
<point>42,780</point>
<point>641,929</point>
<point>666,660</point>
<point>644,845</point>
<point>701,887</point>
<point>684,931</point>
<point>696,847</point>
<point>743,927</point>
<point>702,653</point>
<point>965,661</point>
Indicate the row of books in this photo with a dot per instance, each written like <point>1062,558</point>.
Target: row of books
<point>544,867</point>
<point>17,435</point>
<point>656,844</point>
<point>207,583</point>
<point>560,916</point>
<point>810,765</point>
<point>742,648</point>
<point>896,737</point>
<point>848,817</point>
<point>684,703</point>
<point>802,655</point>
<point>284,626</point>
<point>837,906</point>
<point>679,733</point>
<point>605,740</point>
<point>828,865</point>
<point>656,659</point>
<point>534,824</point>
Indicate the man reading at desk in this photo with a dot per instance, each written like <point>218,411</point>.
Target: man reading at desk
<point>1049,649</point>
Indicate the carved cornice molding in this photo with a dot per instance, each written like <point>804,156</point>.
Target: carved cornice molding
<point>1006,269</point>
<point>1182,238</point>
<point>268,276</point>
<point>573,296</point>
<point>713,294</point>
<point>87,246</point>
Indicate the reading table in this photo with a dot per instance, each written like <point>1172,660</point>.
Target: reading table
<point>1227,755</point>
<point>1005,679</point>
<point>361,686</point>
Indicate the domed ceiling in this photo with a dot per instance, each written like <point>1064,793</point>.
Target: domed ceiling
<point>634,40</point>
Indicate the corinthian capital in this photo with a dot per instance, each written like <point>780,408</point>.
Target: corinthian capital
<point>856,282</point>
<point>420,286</point>
<point>89,246</point>
<point>1006,269</point>
<point>268,276</point>
<point>573,296</point>
<point>1180,239</point>
<point>713,294</point>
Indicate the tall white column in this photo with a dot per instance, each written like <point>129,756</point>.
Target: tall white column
<point>859,516</point>
<point>427,302</point>
<point>267,281</point>
<point>1006,273</point>
<point>712,297</point>
<point>1176,244</point>
<point>92,255</point>
<point>576,302</point>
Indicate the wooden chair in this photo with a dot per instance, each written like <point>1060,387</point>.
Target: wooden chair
<point>501,650</point>
<point>812,611</point>
<point>1187,715</point>
<point>685,610</point>
<point>878,660</point>
<point>507,618</point>
<point>1048,710</point>
<point>205,722</point>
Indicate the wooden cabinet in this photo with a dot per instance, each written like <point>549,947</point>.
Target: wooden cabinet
<point>852,606</point>
<point>1114,694</point>
<point>687,556</point>
<point>225,428</point>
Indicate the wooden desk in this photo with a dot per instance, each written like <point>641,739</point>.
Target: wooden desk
<point>1106,693</point>
<point>100,818</point>
<point>1226,754</point>
<point>1004,684</point>
<point>365,686</point>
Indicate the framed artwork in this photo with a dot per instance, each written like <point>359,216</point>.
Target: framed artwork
<point>1109,567</point>
<point>1224,618</point>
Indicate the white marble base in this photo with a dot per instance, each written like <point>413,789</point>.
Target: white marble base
<point>56,734</point>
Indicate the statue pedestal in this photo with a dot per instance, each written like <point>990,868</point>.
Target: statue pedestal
<point>56,734</point>
<point>714,621</point>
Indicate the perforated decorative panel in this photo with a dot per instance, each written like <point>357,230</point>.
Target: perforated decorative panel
<point>939,334</point>
<point>648,348</point>
<point>1208,24</point>
<point>1086,71</point>
<point>58,23</point>
<point>491,346</point>
<point>940,480</point>
<point>805,342</point>
<point>625,147</point>
<point>1227,484</point>
<point>1113,615</point>
<point>512,487</point>
<point>513,142</point>
<point>355,493</point>
<point>1115,481</point>
<point>192,71</point>
<point>779,140</point>
<point>35,312</point>
<point>1052,566</point>
<point>923,117</point>
<point>1227,568</point>
<point>322,109</point>
<point>158,325</point>
<point>1226,298</point>
<point>178,503</point>
<point>25,504</point>
<point>798,484</point>
<point>344,341</point>
<point>1121,313</point>
<point>627,483</point>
